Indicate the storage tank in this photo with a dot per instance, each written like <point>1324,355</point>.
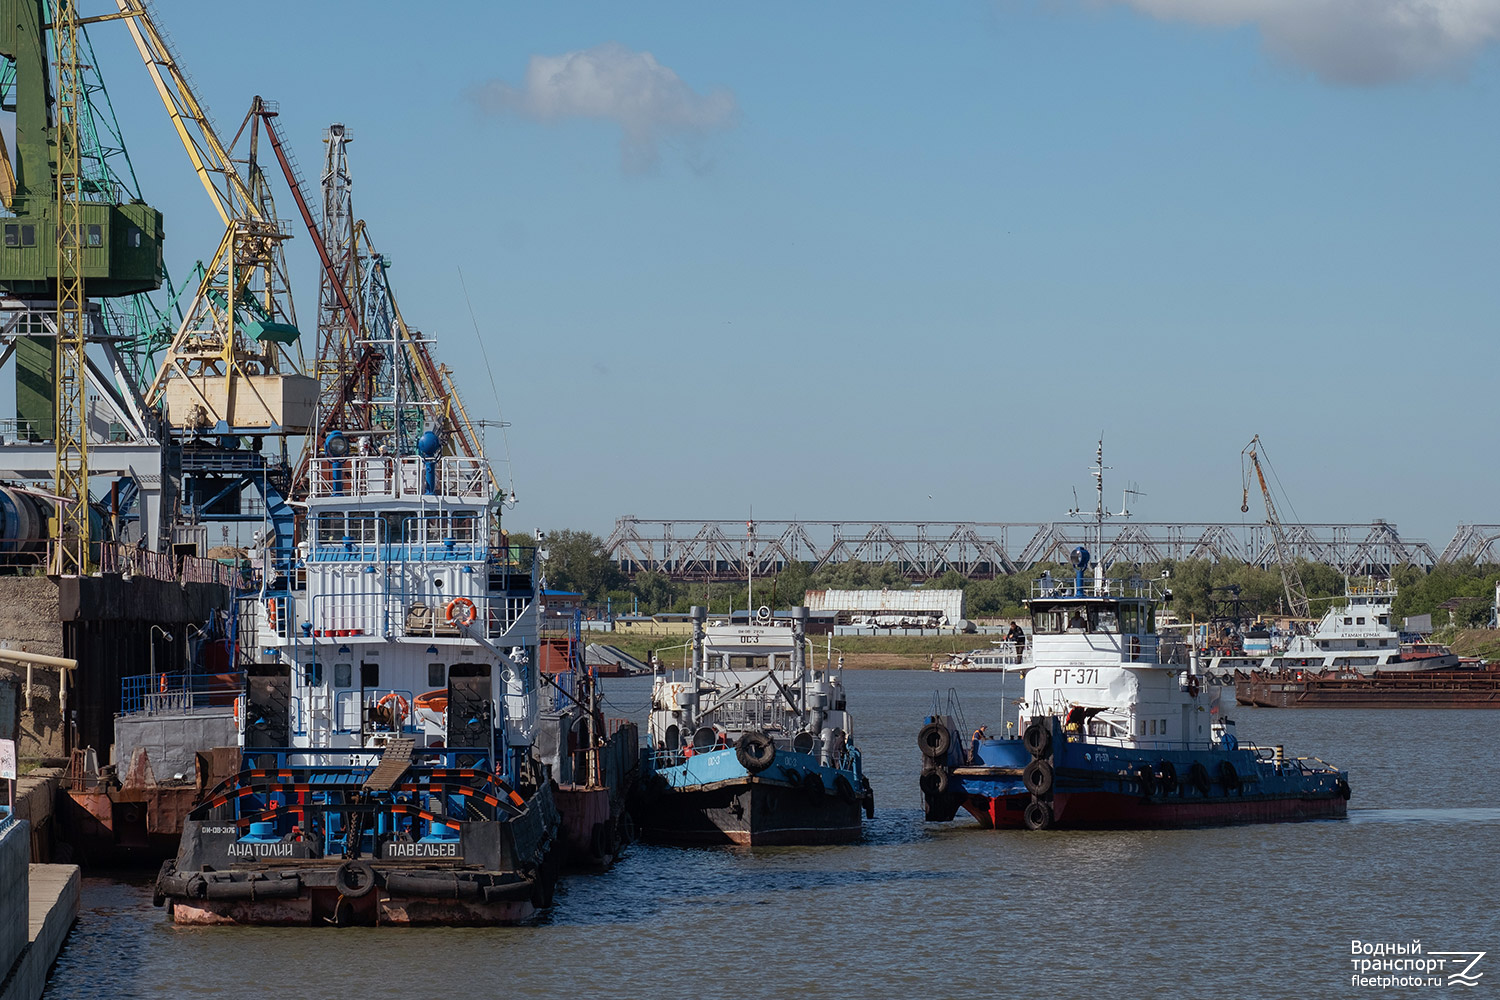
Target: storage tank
<point>23,525</point>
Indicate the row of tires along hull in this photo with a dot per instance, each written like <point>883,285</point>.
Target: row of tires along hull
<point>1150,794</point>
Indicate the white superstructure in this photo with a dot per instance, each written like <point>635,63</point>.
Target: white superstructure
<point>404,613</point>
<point>751,678</point>
<point>1098,663</point>
<point>1358,636</point>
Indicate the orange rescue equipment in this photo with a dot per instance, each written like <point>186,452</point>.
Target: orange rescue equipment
<point>460,611</point>
<point>402,705</point>
<point>433,701</point>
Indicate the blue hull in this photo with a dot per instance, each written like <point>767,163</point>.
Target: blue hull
<point>712,798</point>
<point>1081,784</point>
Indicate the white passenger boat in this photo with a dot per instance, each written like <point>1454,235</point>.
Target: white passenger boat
<point>1357,637</point>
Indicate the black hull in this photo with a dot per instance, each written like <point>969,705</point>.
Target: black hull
<point>748,812</point>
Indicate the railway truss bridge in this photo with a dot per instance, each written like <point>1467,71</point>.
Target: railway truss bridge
<point>719,550</point>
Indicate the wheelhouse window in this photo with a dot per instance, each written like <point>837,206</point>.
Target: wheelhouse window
<point>1048,621</point>
<point>465,526</point>
<point>1075,618</point>
<point>361,527</point>
<point>331,527</point>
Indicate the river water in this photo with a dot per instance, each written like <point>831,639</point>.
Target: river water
<point>923,910</point>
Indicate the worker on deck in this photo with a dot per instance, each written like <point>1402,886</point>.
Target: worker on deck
<point>1017,635</point>
<point>1073,724</point>
<point>981,733</point>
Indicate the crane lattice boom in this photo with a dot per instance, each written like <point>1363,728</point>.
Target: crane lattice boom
<point>1291,580</point>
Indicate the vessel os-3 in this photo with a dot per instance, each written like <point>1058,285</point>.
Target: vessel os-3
<point>751,744</point>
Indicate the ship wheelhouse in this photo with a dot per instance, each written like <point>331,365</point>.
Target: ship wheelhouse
<point>1099,664</point>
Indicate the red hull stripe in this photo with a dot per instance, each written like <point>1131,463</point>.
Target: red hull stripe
<point>1112,810</point>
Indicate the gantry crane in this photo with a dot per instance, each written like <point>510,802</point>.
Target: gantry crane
<point>234,365</point>
<point>71,239</point>
<point>1291,580</point>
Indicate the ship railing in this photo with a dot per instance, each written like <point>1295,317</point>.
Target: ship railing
<point>1138,743</point>
<point>286,785</point>
<point>454,476</point>
<point>753,712</point>
<point>1061,587</point>
<point>1174,651</point>
<point>131,560</point>
<point>353,613</point>
<point>275,611</point>
<point>267,759</point>
<point>353,476</point>
<point>427,615</point>
<point>374,612</point>
<point>801,743</point>
<point>174,693</point>
<point>409,476</point>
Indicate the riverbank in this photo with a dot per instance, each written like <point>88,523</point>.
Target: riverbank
<point>1481,642</point>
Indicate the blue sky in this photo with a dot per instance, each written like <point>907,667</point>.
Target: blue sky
<point>908,261</point>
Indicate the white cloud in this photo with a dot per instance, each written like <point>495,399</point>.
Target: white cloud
<point>1358,42</point>
<point>609,82</point>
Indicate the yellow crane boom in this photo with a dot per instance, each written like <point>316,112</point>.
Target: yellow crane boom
<point>1291,580</point>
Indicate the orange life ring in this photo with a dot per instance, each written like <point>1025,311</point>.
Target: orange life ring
<point>238,707</point>
<point>460,603</point>
<point>162,687</point>
<point>404,705</point>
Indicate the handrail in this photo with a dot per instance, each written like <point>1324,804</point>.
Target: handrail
<point>163,692</point>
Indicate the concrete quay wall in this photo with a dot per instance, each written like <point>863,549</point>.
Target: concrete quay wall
<point>53,910</point>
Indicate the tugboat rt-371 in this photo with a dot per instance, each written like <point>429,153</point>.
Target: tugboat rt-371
<point>1115,729</point>
<point>751,745</point>
<point>1115,732</point>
